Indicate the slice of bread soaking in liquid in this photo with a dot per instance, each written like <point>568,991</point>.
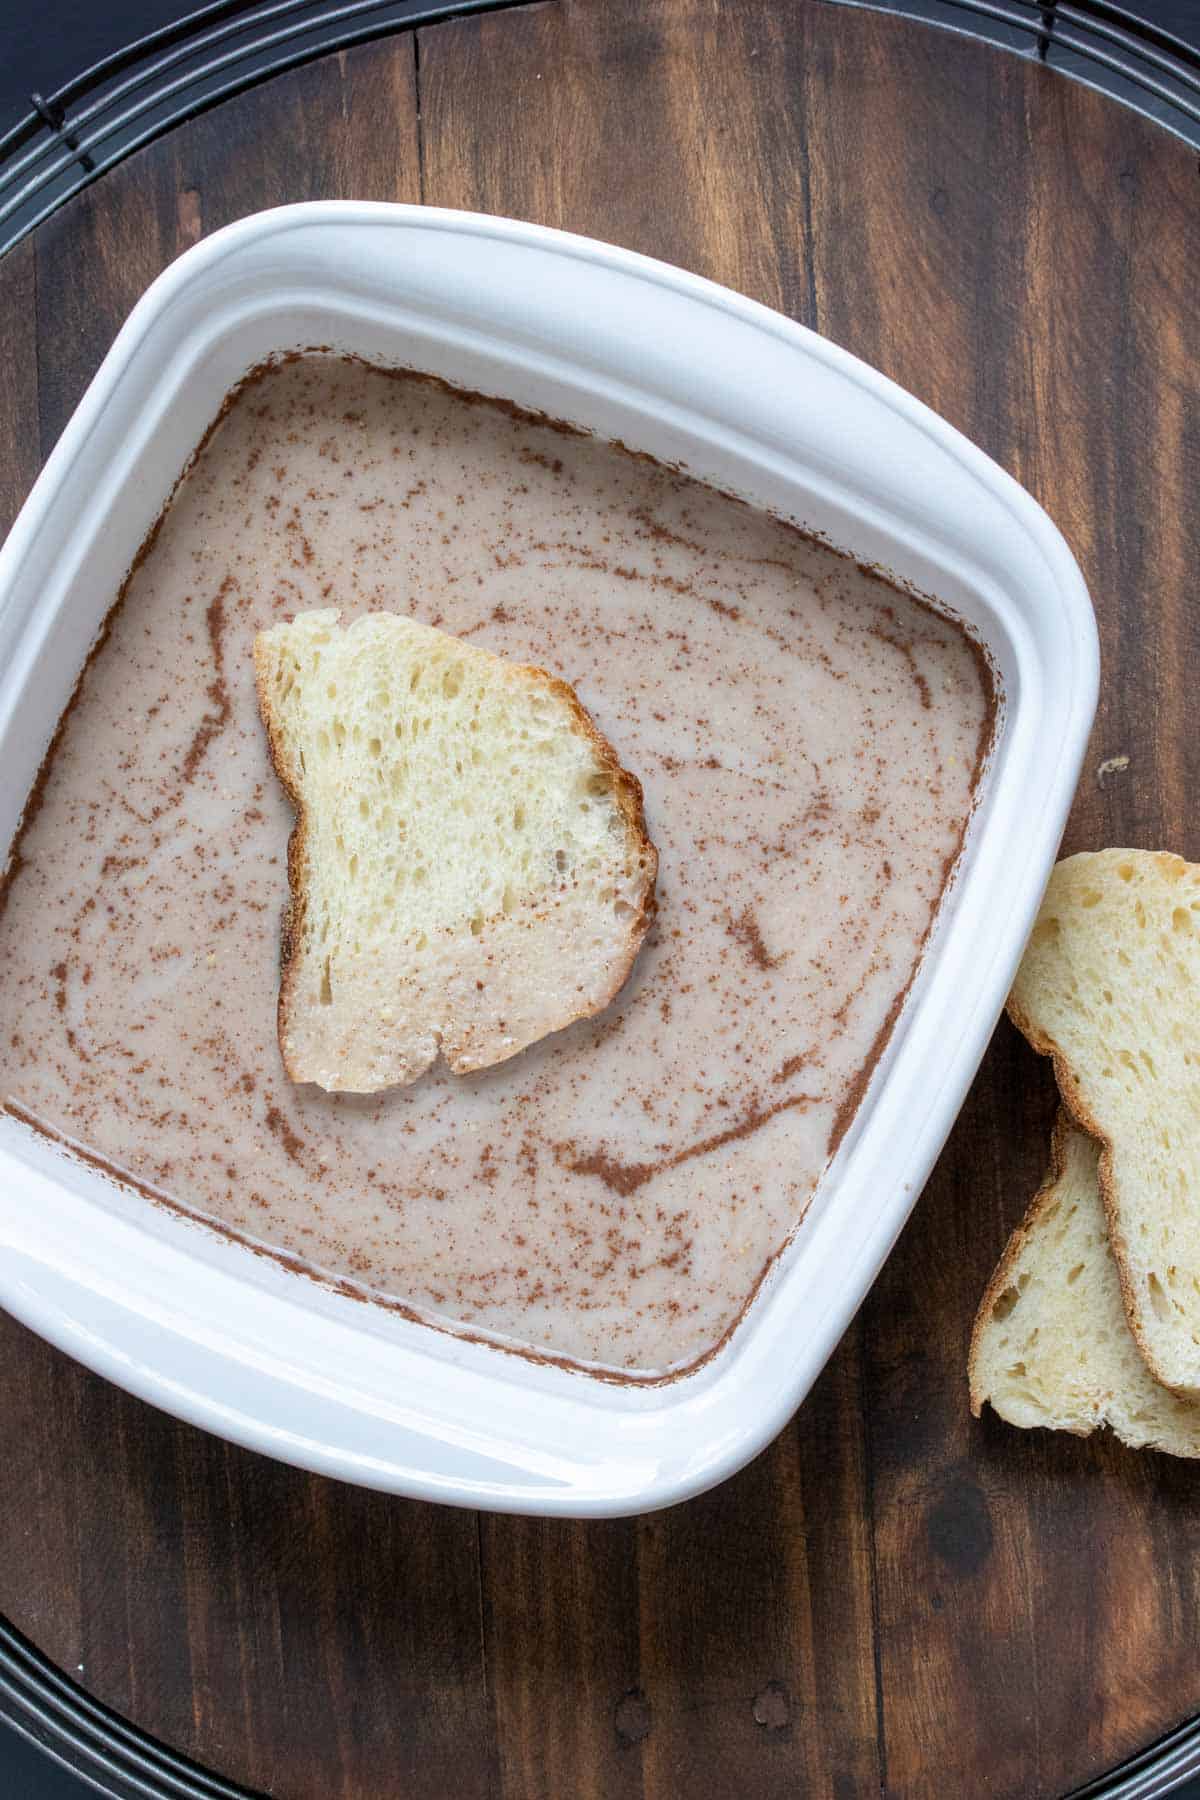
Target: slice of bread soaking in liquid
<point>1110,988</point>
<point>1051,1344</point>
<point>470,868</point>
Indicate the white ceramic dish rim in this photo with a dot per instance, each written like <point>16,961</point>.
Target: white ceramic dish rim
<point>234,1343</point>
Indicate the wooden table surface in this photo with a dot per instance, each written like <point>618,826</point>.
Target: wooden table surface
<point>892,1597</point>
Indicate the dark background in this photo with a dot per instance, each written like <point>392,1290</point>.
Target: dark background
<point>27,1774</point>
<point>42,44</point>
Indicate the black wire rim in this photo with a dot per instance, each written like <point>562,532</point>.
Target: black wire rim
<point>119,1760</point>
<point>126,100</point>
<point>95,1743</point>
<point>66,140</point>
<point>71,136</point>
<point>1153,1772</point>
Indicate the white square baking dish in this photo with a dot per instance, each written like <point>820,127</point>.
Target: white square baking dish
<point>683,369</point>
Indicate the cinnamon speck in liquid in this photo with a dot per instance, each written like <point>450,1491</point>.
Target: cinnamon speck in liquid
<point>808,739</point>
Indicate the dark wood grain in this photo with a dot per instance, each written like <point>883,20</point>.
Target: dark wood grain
<point>19,454</point>
<point>1023,268</point>
<point>344,125</point>
<point>302,1637</point>
<point>892,1598</point>
<point>754,1674</point>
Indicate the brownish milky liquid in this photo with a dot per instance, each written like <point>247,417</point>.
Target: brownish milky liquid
<point>808,740</point>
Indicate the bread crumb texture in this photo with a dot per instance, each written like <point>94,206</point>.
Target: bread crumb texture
<point>1109,986</point>
<point>1051,1344</point>
<point>470,868</point>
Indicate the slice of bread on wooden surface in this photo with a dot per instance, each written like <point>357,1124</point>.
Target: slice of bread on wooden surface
<point>1110,988</point>
<point>1051,1344</point>
<point>470,868</point>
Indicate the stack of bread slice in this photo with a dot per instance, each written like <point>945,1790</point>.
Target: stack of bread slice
<point>1092,1316</point>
